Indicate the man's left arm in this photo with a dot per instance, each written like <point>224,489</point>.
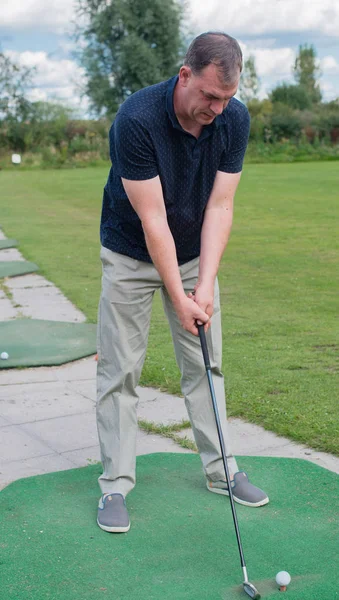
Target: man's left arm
<point>215,233</point>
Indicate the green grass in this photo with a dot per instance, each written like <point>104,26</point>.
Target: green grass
<point>169,431</point>
<point>278,282</point>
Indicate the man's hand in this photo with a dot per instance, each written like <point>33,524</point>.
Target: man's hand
<point>189,312</point>
<point>203,295</point>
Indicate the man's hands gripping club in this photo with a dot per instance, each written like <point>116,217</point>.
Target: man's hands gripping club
<point>203,296</point>
<point>189,312</point>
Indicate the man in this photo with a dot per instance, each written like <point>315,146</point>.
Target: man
<point>177,150</point>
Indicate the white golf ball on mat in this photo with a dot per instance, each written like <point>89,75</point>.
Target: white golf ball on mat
<point>4,355</point>
<point>283,579</point>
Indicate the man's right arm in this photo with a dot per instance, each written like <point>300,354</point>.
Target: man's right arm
<point>147,200</point>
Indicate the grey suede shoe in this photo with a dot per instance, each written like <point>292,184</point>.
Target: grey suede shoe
<point>244,492</point>
<point>112,513</point>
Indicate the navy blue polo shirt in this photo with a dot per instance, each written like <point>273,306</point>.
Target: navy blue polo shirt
<point>146,140</point>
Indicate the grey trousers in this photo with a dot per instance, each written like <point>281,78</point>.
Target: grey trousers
<point>124,315</point>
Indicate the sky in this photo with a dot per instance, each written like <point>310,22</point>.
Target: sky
<point>37,33</point>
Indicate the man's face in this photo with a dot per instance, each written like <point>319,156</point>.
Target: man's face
<point>206,96</point>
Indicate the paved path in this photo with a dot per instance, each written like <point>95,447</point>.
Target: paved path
<point>47,414</point>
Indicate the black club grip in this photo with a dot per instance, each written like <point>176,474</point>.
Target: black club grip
<point>204,348</point>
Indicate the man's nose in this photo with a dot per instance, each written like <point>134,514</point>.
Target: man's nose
<point>217,106</point>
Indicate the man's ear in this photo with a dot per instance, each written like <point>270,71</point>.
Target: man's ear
<point>185,75</point>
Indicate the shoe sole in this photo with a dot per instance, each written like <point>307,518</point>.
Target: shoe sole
<point>114,529</point>
<point>238,500</point>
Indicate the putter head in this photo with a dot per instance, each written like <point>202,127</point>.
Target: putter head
<point>251,591</point>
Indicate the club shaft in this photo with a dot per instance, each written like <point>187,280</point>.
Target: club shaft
<point>221,441</point>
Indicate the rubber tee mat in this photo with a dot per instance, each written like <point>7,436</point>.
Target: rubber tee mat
<point>181,545</point>
<point>7,243</point>
<point>12,268</point>
<point>34,342</point>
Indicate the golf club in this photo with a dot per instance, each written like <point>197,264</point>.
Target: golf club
<point>249,588</point>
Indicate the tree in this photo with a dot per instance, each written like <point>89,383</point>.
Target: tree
<point>249,81</point>
<point>306,71</point>
<point>14,81</point>
<point>126,45</point>
<point>295,96</point>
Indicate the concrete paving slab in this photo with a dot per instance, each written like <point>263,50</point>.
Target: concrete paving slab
<point>147,394</point>
<point>7,310</point>
<point>10,254</point>
<point>30,402</point>
<point>250,438</point>
<point>83,456</point>
<point>31,280</point>
<point>293,450</point>
<point>164,409</point>
<point>87,388</point>
<point>31,375</point>
<point>33,466</point>
<point>46,303</point>
<point>17,444</point>
<point>63,434</point>
<point>265,443</point>
<point>79,370</point>
<point>146,444</point>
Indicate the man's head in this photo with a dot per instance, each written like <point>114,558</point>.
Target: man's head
<point>209,77</point>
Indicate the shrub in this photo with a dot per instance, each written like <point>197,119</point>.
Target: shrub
<point>294,96</point>
<point>285,126</point>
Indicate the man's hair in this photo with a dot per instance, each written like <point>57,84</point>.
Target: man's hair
<point>218,48</point>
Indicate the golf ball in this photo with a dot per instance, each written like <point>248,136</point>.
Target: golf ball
<point>4,355</point>
<point>283,578</point>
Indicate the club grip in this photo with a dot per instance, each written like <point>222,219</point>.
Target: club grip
<point>204,348</point>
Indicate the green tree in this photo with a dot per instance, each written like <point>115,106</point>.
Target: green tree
<point>295,96</point>
<point>249,81</point>
<point>126,45</point>
<point>306,72</point>
<point>14,81</point>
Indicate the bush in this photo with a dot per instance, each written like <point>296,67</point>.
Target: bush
<point>288,151</point>
<point>285,126</point>
<point>294,96</point>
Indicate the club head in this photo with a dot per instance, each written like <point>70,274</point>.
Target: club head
<point>251,591</point>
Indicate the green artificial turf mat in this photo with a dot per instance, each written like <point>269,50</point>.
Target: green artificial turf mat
<point>181,545</point>
<point>34,342</point>
<point>7,243</point>
<point>13,268</point>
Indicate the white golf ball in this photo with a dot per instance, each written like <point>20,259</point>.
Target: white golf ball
<point>283,578</point>
<point>4,355</point>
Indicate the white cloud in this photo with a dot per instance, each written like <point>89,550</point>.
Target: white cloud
<point>274,61</point>
<point>53,80</point>
<point>266,16</point>
<point>68,46</point>
<point>329,65</point>
<point>24,14</point>
<point>253,17</point>
<point>329,91</point>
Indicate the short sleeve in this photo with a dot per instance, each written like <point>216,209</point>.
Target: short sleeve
<point>232,159</point>
<point>131,149</point>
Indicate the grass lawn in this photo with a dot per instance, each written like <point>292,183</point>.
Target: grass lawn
<point>278,281</point>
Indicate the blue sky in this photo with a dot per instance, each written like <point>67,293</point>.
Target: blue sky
<point>36,33</point>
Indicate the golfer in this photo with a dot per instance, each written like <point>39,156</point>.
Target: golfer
<point>177,150</point>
